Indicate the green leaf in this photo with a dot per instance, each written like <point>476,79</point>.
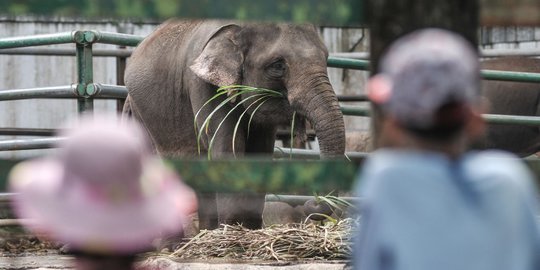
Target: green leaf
<point>205,124</point>
<point>292,134</point>
<point>232,91</point>
<point>327,217</point>
<point>223,121</point>
<point>197,115</point>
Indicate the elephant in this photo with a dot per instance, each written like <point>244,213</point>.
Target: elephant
<point>513,98</point>
<point>175,70</point>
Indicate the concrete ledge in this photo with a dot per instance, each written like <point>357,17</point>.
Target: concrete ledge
<point>166,263</point>
<point>52,261</point>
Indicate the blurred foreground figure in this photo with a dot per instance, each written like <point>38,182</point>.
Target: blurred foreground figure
<point>428,203</point>
<point>104,194</point>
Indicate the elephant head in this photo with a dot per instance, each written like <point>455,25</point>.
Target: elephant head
<point>290,59</point>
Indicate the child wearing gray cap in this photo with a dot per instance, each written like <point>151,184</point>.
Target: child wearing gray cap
<point>428,202</point>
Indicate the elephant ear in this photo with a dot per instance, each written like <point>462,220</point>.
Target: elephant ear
<point>221,59</point>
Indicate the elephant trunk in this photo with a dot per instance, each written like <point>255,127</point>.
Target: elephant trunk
<point>318,102</point>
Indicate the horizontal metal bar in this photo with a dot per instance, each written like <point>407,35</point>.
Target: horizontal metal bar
<point>355,111</point>
<point>512,119</point>
<point>13,222</point>
<point>38,40</point>
<point>483,53</point>
<point>510,76</point>
<point>133,40</point>
<point>351,55</point>
<point>44,143</point>
<point>355,98</point>
<point>290,199</point>
<point>67,91</point>
<point>128,52</point>
<point>509,52</point>
<point>112,38</point>
<point>338,62</point>
<point>486,73</point>
<point>6,197</point>
<point>282,152</point>
<point>27,131</point>
<point>29,144</point>
<point>66,52</point>
<point>106,90</point>
<point>7,131</point>
<point>295,200</point>
<point>490,118</point>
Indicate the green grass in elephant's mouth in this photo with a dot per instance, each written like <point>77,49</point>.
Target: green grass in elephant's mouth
<point>253,102</point>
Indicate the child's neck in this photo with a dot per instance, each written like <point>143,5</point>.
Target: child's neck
<point>453,148</point>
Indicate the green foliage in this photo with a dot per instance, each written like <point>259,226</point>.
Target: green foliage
<point>266,176</point>
<point>328,12</point>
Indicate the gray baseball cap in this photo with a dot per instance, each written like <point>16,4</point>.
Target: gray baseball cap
<point>428,69</point>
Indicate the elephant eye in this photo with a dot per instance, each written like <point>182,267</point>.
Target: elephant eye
<point>277,69</point>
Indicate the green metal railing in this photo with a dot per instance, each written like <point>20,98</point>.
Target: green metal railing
<point>495,75</point>
<point>85,90</point>
<point>258,175</point>
<point>490,118</point>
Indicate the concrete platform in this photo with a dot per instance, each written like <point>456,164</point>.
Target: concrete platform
<point>50,261</point>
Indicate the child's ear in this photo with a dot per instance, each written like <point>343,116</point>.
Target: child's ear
<point>379,88</point>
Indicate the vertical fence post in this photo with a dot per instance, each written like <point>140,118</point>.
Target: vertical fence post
<point>85,74</point>
<point>120,71</point>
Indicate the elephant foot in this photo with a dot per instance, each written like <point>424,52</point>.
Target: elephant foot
<point>252,224</point>
<point>282,213</point>
<point>245,209</point>
<point>208,223</point>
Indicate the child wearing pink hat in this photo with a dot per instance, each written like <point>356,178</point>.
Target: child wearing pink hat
<point>104,194</point>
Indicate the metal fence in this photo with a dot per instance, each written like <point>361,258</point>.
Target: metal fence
<point>85,90</point>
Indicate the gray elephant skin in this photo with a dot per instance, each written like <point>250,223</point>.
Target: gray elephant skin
<point>179,67</point>
<point>513,98</point>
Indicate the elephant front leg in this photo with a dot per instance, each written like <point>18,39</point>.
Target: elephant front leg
<point>247,208</point>
<point>261,140</point>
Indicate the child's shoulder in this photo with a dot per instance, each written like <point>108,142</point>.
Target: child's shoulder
<point>406,159</point>
<point>495,168</point>
<point>390,167</point>
<point>495,161</point>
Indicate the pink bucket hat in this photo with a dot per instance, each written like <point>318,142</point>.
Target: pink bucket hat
<point>104,192</point>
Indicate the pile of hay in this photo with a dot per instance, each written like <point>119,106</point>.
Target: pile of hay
<point>12,243</point>
<point>285,242</point>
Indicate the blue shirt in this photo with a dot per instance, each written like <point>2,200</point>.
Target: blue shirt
<point>423,211</point>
